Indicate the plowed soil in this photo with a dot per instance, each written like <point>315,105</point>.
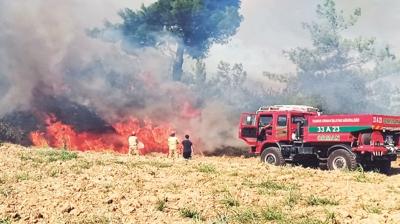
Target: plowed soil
<point>54,186</point>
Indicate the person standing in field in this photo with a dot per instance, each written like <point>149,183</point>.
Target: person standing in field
<point>133,144</point>
<point>187,148</point>
<point>173,144</point>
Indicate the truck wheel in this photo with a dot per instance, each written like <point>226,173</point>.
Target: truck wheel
<point>383,166</point>
<point>341,160</point>
<point>272,155</point>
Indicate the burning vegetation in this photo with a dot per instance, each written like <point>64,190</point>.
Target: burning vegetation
<point>71,85</point>
<point>60,123</point>
<point>87,92</point>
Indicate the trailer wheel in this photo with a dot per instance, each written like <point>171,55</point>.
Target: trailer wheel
<point>272,155</point>
<point>341,159</point>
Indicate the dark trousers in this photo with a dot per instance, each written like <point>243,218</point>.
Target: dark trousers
<point>187,155</point>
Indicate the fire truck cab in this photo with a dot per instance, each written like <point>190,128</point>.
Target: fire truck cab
<point>300,134</point>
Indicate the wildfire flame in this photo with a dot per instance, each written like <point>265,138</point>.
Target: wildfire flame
<point>154,137</point>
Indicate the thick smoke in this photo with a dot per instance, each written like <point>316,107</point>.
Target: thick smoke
<point>49,48</point>
<point>49,64</point>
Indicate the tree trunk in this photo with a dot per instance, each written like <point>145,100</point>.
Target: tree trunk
<point>178,63</point>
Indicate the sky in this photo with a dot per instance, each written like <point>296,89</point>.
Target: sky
<point>271,26</point>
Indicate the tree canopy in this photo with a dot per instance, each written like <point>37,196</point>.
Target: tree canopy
<point>336,70</point>
<point>195,24</point>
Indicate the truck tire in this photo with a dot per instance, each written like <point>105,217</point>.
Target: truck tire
<point>273,156</point>
<point>341,159</point>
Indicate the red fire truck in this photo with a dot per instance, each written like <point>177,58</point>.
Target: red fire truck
<point>300,134</point>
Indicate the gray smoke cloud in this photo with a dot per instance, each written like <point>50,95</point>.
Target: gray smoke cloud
<point>43,41</point>
<point>39,45</point>
<point>44,47</point>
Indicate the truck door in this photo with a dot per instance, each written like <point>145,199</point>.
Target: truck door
<point>282,127</point>
<point>248,128</point>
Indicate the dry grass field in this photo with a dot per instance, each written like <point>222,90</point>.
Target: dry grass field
<point>54,186</point>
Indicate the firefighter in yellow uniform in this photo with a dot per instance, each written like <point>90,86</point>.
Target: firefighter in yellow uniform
<point>173,144</point>
<point>133,144</point>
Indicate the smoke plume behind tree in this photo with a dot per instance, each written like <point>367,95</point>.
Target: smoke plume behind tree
<point>192,25</point>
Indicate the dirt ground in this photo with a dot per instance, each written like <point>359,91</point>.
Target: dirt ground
<point>54,186</point>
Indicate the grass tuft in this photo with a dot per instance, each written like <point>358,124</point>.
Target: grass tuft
<point>331,217</point>
<point>5,221</point>
<point>229,201</point>
<point>271,185</point>
<point>292,199</point>
<point>159,164</point>
<point>221,219</point>
<point>189,213</point>
<point>54,155</point>
<point>272,214</point>
<point>100,162</point>
<point>161,204</point>
<point>206,168</point>
<point>372,209</point>
<point>314,201</point>
<point>310,221</point>
<point>55,172</point>
<point>22,176</point>
<point>67,155</point>
<point>246,216</point>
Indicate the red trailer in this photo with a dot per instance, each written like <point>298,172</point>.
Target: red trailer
<point>300,134</point>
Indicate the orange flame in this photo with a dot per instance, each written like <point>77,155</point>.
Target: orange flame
<point>154,137</point>
<point>60,135</point>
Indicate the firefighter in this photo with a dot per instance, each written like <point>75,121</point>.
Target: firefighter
<point>133,144</point>
<point>173,144</point>
<point>263,131</point>
<point>187,148</point>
